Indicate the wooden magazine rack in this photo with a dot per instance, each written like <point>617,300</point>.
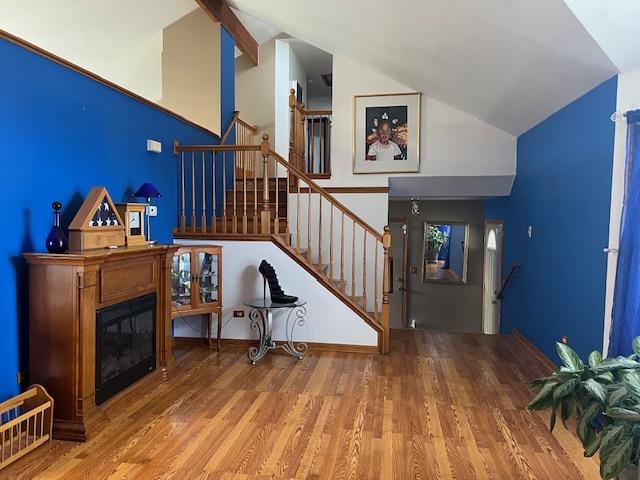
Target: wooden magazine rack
<point>26,422</point>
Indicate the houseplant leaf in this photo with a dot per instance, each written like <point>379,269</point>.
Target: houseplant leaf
<point>544,399</point>
<point>615,459</point>
<point>596,390</point>
<point>592,447</point>
<point>636,345</point>
<point>584,422</point>
<point>612,435</point>
<point>616,363</point>
<point>617,395</point>
<point>595,358</point>
<point>566,410</point>
<point>618,413</point>
<point>569,357</point>
<point>605,377</point>
<point>552,420</point>
<point>632,383</point>
<point>564,389</point>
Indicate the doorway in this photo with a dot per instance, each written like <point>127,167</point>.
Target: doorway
<point>492,276</point>
<point>399,272</point>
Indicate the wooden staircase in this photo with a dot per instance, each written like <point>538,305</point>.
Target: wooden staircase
<point>254,193</point>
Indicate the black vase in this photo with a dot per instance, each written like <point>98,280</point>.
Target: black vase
<point>56,240</point>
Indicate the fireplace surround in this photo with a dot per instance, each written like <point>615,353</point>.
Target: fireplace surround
<point>69,295</point>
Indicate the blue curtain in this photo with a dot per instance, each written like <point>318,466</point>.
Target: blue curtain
<point>625,324</point>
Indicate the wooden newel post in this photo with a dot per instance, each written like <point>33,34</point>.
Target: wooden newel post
<point>293,103</point>
<point>386,288</point>
<point>265,215</point>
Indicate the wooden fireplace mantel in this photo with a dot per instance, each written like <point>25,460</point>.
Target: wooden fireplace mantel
<point>65,290</point>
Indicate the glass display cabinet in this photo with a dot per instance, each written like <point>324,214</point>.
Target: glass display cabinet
<point>196,276</point>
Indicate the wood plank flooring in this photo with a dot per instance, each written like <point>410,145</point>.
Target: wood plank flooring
<point>440,406</point>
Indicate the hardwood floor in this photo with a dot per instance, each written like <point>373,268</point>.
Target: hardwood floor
<point>440,406</point>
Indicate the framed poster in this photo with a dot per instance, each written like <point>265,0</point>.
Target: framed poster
<point>386,133</point>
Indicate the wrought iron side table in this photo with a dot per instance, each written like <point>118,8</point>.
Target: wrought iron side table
<point>261,317</point>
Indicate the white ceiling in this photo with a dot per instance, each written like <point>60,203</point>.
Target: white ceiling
<point>510,63</point>
<point>614,25</point>
<point>260,31</point>
<point>120,40</point>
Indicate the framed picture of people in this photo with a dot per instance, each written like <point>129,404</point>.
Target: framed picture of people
<point>386,133</point>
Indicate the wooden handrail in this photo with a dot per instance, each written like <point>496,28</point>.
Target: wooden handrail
<point>317,112</point>
<point>321,191</point>
<point>215,148</point>
<point>251,128</point>
<point>227,132</point>
<point>236,120</point>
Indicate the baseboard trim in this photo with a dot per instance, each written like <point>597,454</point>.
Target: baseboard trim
<point>237,343</point>
<point>533,350</point>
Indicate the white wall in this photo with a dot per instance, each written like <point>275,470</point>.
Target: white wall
<point>628,99</point>
<point>288,71</point>
<point>452,143</point>
<point>319,103</point>
<point>281,97</point>
<point>255,87</point>
<point>297,74</point>
<point>328,319</point>
<point>191,69</point>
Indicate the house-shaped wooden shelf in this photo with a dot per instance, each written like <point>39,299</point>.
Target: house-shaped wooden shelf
<point>97,224</point>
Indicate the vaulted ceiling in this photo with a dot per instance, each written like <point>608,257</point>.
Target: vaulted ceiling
<point>510,63</point>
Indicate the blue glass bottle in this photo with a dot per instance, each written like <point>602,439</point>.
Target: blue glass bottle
<point>56,240</point>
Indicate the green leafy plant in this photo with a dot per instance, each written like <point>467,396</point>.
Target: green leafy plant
<point>604,397</point>
<point>435,239</point>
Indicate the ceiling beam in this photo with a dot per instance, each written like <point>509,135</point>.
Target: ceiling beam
<point>220,11</point>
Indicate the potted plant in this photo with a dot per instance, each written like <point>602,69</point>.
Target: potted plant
<point>435,239</point>
<point>604,398</point>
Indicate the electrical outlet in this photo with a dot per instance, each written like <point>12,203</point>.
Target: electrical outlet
<point>152,210</point>
<point>238,313</point>
<point>564,339</point>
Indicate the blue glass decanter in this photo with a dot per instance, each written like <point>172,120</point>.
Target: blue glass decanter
<point>56,240</point>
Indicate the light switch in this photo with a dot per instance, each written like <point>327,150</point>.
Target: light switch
<point>154,146</point>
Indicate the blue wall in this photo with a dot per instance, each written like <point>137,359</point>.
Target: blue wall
<point>227,80</point>
<point>562,189</point>
<point>61,134</point>
<point>456,252</point>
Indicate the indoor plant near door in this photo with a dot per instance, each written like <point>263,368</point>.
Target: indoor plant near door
<point>604,397</point>
<point>435,239</point>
